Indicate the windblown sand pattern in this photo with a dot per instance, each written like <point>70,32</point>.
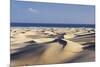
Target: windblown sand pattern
<point>32,46</point>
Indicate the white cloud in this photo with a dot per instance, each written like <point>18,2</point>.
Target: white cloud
<point>32,10</point>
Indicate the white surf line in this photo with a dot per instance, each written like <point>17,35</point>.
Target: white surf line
<point>83,2</point>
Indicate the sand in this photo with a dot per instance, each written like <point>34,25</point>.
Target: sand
<point>41,52</point>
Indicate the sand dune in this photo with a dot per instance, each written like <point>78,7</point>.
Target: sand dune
<point>52,54</point>
<point>31,46</point>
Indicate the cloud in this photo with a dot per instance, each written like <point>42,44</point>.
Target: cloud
<point>32,10</point>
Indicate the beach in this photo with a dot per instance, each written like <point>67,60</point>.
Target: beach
<point>37,45</point>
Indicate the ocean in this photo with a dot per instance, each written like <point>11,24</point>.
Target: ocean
<point>51,25</point>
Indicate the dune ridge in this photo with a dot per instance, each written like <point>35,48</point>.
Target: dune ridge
<point>31,46</point>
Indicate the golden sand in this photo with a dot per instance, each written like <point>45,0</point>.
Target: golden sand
<point>54,52</point>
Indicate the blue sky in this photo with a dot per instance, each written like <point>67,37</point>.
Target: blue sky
<point>36,12</point>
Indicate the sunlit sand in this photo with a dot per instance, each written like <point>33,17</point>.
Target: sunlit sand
<point>43,52</point>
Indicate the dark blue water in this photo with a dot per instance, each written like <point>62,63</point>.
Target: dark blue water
<point>50,25</point>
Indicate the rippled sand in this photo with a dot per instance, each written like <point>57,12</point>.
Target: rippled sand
<point>31,47</point>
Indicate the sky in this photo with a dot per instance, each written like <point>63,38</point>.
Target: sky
<point>39,12</point>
